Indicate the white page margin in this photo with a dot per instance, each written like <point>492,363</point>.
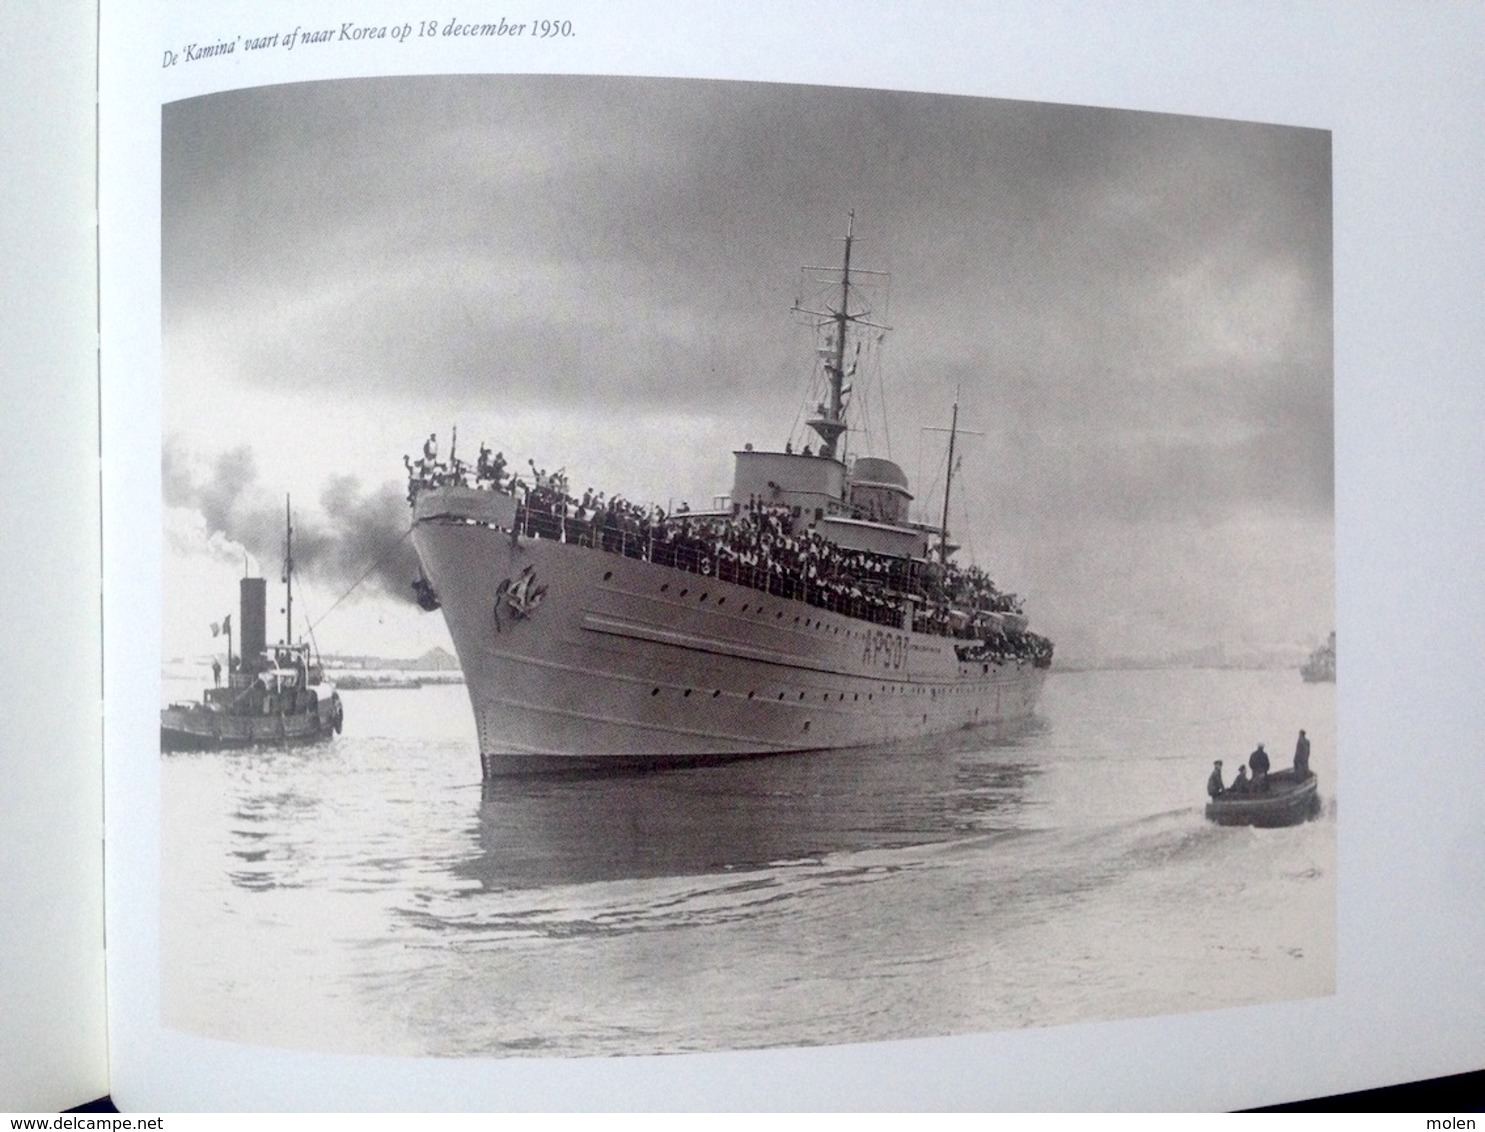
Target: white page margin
<point>53,1037</point>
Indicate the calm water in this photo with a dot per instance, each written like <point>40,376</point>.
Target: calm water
<point>372,895</point>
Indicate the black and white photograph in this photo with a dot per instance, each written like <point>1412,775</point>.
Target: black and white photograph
<point>661,565</point>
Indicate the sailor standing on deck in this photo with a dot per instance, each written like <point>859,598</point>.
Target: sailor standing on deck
<point>1302,757</point>
<point>1258,764</point>
<point>1214,783</point>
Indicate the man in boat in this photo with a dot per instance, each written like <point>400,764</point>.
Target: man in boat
<point>1240,784</point>
<point>1214,783</point>
<point>1258,764</point>
<point>1302,757</point>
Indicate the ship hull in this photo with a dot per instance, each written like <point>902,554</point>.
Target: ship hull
<point>198,728</point>
<point>577,655</point>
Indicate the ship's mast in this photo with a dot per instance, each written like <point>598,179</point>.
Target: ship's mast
<point>838,367</point>
<point>288,575</point>
<point>943,530</point>
<point>831,421</point>
<point>953,431</point>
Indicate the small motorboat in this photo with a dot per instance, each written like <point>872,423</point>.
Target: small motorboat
<point>1281,799</point>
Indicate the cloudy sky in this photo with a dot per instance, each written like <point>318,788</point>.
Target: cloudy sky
<point>1134,310</point>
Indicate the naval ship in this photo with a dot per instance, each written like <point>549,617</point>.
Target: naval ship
<point>805,611</point>
<point>1320,667</point>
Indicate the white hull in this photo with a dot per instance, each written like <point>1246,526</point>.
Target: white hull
<point>622,659</point>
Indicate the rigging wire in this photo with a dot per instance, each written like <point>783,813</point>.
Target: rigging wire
<point>932,501</point>
<point>881,376</point>
<point>358,581</point>
<point>794,429</point>
<point>968,541</point>
<point>864,414</point>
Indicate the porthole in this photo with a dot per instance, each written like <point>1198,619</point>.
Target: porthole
<point>801,695</point>
<point>750,695</point>
<point>688,692</point>
<point>806,725</point>
<point>781,695</point>
<point>607,574</point>
<point>703,597</point>
<point>654,691</point>
<point>717,693</point>
<point>721,600</point>
<point>664,588</point>
<point>685,592</point>
<point>780,613</point>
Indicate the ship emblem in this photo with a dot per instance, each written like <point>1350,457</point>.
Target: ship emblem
<point>519,597</point>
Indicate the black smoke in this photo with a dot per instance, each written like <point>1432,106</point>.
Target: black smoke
<point>356,539</point>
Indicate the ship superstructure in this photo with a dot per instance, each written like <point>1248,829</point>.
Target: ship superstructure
<point>805,611</point>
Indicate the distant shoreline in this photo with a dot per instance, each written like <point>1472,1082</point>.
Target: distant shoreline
<point>390,681</point>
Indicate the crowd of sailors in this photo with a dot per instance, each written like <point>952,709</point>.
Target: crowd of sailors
<point>758,545</point>
<point>488,471</point>
<point>1258,764</point>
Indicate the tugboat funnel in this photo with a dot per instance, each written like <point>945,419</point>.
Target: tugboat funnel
<point>253,623</point>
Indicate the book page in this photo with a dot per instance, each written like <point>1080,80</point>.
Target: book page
<point>456,329</point>
<point>53,1051</point>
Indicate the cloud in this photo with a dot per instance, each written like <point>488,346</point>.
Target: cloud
<point>634,242</point>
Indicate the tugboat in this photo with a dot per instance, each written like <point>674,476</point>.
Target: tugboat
<point>272,696</point>
<point>805,611</point>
